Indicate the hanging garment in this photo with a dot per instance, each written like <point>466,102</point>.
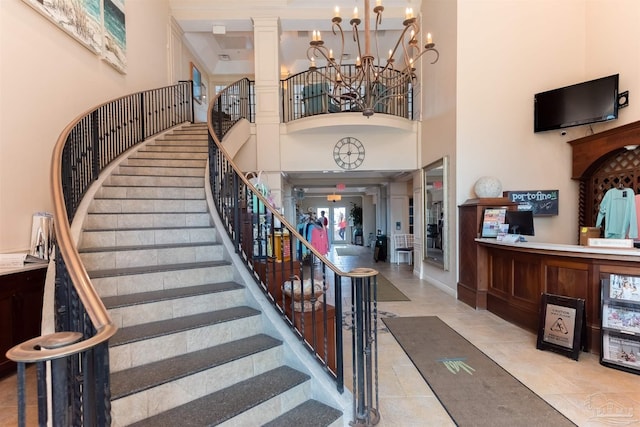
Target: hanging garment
<point>618,207</point>
<point>320,239</point>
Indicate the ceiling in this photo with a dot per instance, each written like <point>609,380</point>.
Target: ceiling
<point>221,36</point>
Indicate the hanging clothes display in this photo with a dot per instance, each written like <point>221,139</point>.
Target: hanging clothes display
<point>320,238</point>
<point>618,209</point>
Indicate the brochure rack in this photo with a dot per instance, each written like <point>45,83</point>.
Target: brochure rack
<point>620,327</point>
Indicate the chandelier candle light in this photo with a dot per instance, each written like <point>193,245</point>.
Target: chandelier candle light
<point>372,85</point>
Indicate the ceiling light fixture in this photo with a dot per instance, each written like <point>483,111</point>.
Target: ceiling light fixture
<point>373,84</point>
<point>334,198</point>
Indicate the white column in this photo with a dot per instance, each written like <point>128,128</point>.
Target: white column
<point>266,33</point>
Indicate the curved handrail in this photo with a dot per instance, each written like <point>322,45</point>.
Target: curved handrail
<point>357,273</point>
<point>131,130</point>
<point>32,350</point>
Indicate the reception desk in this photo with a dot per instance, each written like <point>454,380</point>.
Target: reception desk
<point>514,275</point>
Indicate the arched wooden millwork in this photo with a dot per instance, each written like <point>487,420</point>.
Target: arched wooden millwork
<point>603,161</point>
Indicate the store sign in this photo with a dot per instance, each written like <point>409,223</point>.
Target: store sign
<point>541,202</point>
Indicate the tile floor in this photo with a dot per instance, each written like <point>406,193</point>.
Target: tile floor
<point>586,392</point>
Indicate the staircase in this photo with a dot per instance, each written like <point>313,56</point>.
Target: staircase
<point>191,349</point>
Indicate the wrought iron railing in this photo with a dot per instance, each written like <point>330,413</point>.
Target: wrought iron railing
<point>78,351</point>
<point>280,257</point>
<point>308,94</point>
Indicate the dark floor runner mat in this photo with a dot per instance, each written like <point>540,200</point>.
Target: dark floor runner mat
<point>473,389</point>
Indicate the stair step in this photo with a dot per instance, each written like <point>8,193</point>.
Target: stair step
<point>158,154</point>
<point>227,403</point>
<point>165,327</point>
<point>124,192</point>
<point>143,256</point>
<point>146,237</point>
<point>177,148</point>
<point>150,281</point>
<point>128,221</point>
<point>110,205</point>
<point>133,380</point>
<point>181,171</point>
<point>111,272</point>
<point>134,161</point>
<point>119,301</point>
<point>309,414</point>
<point>144,307</point>
<point>155,181</point>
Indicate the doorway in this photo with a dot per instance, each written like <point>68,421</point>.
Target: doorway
<point>336,216</point>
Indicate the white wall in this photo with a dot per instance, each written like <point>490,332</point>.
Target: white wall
<point>439,132</point>
<point>507,52</point>
<point>47,78</point>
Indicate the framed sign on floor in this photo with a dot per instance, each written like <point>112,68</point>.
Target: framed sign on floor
<point>562,325</point>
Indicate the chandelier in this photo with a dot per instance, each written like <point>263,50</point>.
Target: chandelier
<point>375,82</point>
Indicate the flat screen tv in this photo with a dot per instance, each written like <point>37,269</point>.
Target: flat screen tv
<point>583,103</point>
<point>520,222</point>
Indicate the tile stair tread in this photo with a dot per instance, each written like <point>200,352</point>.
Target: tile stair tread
<point>308,414</point>
<point>223,405</point>
<point>158,175</point>
<point>159,328</point>
<point>167,294</point>
<point>112,272</point>
<point>143,247</point>
<point>147,213</point>
<point>177,229</point>
<point>147,199</point>
<point>155,186</point>
<point>140,378</point>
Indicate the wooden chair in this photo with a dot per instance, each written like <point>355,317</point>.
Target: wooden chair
<point>403,245</point>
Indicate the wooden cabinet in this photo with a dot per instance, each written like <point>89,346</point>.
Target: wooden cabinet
<point>21,294</point>
<point>472,289</point>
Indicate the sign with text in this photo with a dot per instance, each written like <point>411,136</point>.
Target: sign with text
<point>562,323</point>
<point>541,202</point>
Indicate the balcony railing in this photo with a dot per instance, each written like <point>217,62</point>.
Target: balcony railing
<point>308,94</point>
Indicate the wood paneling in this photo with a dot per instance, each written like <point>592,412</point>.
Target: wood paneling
<point>518,276</point>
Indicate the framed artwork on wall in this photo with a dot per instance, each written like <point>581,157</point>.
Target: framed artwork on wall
<point>99,25</point>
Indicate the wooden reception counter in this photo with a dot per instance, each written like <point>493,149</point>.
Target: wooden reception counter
<point>512,276</point>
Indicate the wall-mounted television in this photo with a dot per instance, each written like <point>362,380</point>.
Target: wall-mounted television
<point>579,104</point>
<point>520,222</point>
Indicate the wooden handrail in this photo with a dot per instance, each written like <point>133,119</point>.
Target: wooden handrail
<point>32,350</point>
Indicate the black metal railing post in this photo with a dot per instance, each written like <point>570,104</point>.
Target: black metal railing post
<point>365,347</point>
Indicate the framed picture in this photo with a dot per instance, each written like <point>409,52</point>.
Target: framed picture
<point>99,25</point>
<point>196,77</point>
<point>492,219</point>
<point>562,325</point>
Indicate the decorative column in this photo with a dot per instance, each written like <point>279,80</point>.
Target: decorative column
<point>266,33</point>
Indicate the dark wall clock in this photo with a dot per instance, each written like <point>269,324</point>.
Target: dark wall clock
<point>348,153</point>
